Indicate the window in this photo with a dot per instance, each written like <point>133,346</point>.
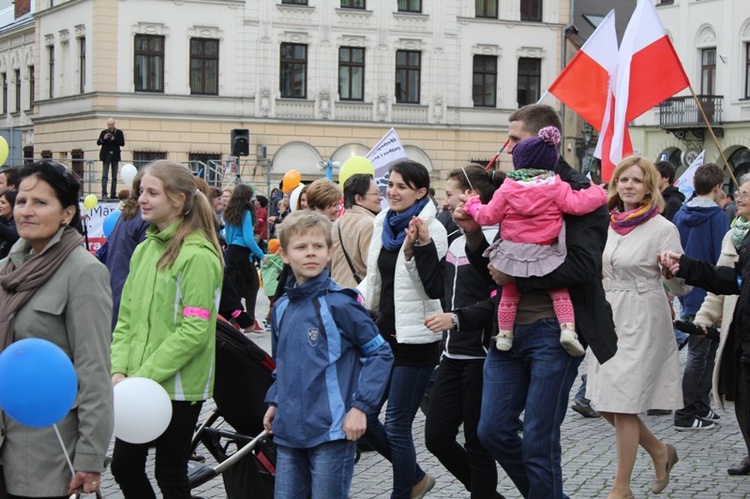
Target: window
<point>17,80</point>
<point>352,4</point>
<point>529,80</point>
<point>293,79</point>
<point>204,66</point>
<point>408,69</point>
<point>32,87</point>
<point>531,10</point>
<point>4,78</point>
<point>708,71</point>
<point>747,71</point>
<point>149,63</point>
<point>486,8</point>
<point>485,81</point>
<point>51,68</point>
<point>294,2</point>
<point>351,73</point>
<point>410,5</point>
<point>142,158</point>
<point>82,64</point>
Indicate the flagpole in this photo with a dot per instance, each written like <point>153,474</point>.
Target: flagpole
<point>713,136</point>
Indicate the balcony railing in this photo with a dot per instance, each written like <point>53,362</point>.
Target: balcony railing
<point>683,111</point>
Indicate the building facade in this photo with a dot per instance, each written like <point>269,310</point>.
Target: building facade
<point>712,39</point>
<point>311,80</point>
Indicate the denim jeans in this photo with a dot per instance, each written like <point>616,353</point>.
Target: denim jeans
<point>394,440</point>
<point>534,376</point>
<point>696,380</point>
<point>581,393</point>
<point>455,398</point>
<point>320,472</point>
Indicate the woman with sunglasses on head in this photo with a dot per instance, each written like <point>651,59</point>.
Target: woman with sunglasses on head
<point>166,330</point>
<point>53,289</point>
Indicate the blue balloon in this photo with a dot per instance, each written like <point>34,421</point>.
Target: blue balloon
<point>38,383</point>
<point>110,221</point>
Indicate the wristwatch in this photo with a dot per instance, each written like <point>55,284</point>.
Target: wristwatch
<point>454,319</point>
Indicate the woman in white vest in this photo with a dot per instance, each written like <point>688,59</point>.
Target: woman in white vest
<point>395,290</point>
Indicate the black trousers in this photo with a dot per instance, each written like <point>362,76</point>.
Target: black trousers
<point>109,165</point>
<point>172,455</point>
<point>455,398</point>
<point>243,275</point>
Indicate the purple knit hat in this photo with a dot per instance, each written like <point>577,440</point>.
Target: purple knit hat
<point>538,152</point>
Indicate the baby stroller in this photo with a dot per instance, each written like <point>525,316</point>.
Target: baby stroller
<point>243,376</point>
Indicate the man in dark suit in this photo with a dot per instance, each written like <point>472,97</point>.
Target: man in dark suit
<point>111,140</point>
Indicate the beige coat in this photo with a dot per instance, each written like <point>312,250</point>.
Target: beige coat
<point>73,310</point>
<point>355,228</point>
<point>720,309</point>
<point>645,371</point>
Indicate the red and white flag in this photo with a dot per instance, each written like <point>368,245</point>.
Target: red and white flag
<point>647,72</point>
<point>584,83</point>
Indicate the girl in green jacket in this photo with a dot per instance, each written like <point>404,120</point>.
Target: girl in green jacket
<point>167,323</point>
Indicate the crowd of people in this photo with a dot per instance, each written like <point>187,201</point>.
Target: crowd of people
<point>484,314</point>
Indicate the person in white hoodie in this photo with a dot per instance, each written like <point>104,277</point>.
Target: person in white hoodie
<point>394,288</point>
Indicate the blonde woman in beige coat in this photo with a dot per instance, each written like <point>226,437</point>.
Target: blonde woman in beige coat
<point>645,371</point>
<point>719,310</point>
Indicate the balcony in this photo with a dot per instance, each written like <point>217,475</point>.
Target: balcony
<point>683,112</point>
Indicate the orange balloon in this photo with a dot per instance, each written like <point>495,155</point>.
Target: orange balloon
<point>291,180</point>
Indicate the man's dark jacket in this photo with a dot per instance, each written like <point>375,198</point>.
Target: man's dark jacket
<point>581,273</point>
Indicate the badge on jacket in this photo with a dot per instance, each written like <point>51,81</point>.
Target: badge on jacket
<point>312,337</point>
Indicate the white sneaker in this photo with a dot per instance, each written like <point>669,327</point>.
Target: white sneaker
<point>503,341</point>
<point>569,340</point>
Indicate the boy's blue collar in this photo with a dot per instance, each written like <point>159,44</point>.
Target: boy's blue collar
<point>309,287</point>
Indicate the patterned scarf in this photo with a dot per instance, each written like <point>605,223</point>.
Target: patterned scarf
<point>396,223</point>
<point>739,231</point>
<point>528,173</point>
<point>623,222</point>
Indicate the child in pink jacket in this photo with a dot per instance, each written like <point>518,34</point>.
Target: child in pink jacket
<point>530,206</point>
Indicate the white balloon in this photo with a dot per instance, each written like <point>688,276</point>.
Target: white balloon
<point>294,197</point>
<point>143,410</point>
<point>128,174</point>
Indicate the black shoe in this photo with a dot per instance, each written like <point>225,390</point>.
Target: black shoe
<point>658,412</point>
<point>697,424</point>
<point>583,407</point>
<point>742,469</point>
<point>712,416</point>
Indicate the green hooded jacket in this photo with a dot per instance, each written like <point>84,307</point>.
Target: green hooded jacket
<point>167,323</point>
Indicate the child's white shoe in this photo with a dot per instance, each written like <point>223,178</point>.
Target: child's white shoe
<point>504,341</point>
<point>569,340</point>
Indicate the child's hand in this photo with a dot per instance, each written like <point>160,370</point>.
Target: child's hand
<point>437,323</point>
<point>355,424</point>
<point>268,419</point>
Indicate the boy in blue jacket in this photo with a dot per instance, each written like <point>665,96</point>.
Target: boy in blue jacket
<point>332,367</point>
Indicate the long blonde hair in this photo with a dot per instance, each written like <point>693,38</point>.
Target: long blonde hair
<point>197,214</point>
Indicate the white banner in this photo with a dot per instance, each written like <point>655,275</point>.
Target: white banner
<point>685,183</point>
<point>386,152</point>
<point>94,221</point>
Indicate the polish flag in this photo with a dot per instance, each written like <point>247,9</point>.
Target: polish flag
<point>647,72</point>
<point>584,83</point>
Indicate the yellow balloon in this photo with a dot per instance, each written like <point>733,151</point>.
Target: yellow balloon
<point>4,150</point>
<point>90,201</point>
<point>353,166</point>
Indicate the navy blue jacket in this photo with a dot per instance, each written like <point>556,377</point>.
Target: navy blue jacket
<point>702,228</point>
<point>330,357</point>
